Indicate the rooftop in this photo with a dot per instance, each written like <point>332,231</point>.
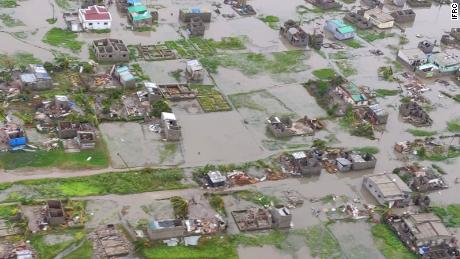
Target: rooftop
<point>95,13</point>
<point>446,59</point>
<point>426,226</point>
<point>390,184</point>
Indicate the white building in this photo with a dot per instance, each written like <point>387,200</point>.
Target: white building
<point>95,18</point>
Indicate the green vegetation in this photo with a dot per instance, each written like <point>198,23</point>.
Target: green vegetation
<point>450,215</point>
<point>353,43</point>
<point>245,100</point>
<point>456,98</point>
<point>138,72</point>
<point>386,73</point>
<point>197,47</point>
<point>7,211</point>
<point>8,3</point>
<point>438,153</point>
<point>217,203</point>
<point>84,251</point>
<point>421,133</point>
<point>403,40</point>
<point>86,159</point>
<point>271,20</point>
<point>210,99</point>
<point>169,149</point>
<point>453,125</point>
<point>370,150</point>
<point>101,31</point>
<point>180,207</point>
<point>144,28</point>
<point>146,180</point>
<point>228,43</point>
<point>64,4</point>
<point>322,242</point>
<point>371,36</point>
<point>176,74</point>
<point>51,20</point>
<point>389,244</point>
<point>62,38</point>
<point>256,197</point>
<point>345,67</point>
<point>386,92</point>
<point>255,63</point>
<point>9,21</point>
<point>438,169</point>
<point>349,1</point>
<point>47,249</point>
<point>320,89</point>
<point>339,55</point>
<point>324,74</point>
<point>356,126</point>
<point>302,10</point>
<point>158,107</point>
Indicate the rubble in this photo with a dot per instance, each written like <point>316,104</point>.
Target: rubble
<point>283,126</point>
<point>421,179</point>
<point>108,242</point>
<point>294,34</point>
<point>252,219</point>
<point>413,113</point>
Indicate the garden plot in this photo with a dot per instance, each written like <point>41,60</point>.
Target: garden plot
<point>210,99</point>
<point>168,72</point>
<point>355,239</point>
<point>201,134</point>
<point>134,145</point>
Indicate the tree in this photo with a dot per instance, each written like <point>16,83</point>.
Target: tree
<point>159,107</point>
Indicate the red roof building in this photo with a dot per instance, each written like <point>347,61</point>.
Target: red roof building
<point>95,18</point>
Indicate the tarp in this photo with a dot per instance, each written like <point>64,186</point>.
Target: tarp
<point>17,142</point>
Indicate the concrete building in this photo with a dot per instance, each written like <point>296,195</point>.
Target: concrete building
<point>37,78</point>
<point>379,18</point>
<point>110,50</point>
<point>194,70</point>
<point>55,213</point>
<point>343,164</point>
<point>280,127</point>
<point>151,93</point>
<point>376,115</point>
<point>388,189</point>
<point>351,94</point>
<point>425,234</point>
<point>340,30</point>
<point>95,18</point>
<point>281,217</point>
<point>196,26</point>
<point>361,161</point>
<point>166,229</point>
<point>315,39</point>
<point>372,3</point>
<point>292,32</point>
<point>139,16</point>
<point>304,165</point>
<point>125,77</point>
<point>72,21</point>
<point>216,179</point>
<point>426,46</point>
<point>186,14</point>
<point>446,62</point>
<point>404,16</point>
<point>86,139</point>
<point>171,129</point>
<point>412,57</point>
<point>419,3</point>
<point>358,20</point>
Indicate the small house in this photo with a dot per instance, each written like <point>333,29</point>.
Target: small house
<point>343,164</point>
<point>194,70</point>
<point>171,129</point>
<point>350,93</point>
<point>426,46</point>
<point>37,78</point>
<point>86,139</point>
<point>125,77</point>
<point>292,32</point>
<point>376,115</point>
<point>412,57</point>
<point>304,165</point>
<point>139,16</point>
<point>166,229</point>
<point>280,127</point>
<point>326,4</point>
<point>388,189</point>
<point>216,179</point>
<point>151,93</point>
<point>340,30</point>
<point>446,62</point>
<point>281,217</point>
<point>404,16</point>
<point>362,161</point>
<point>72,22</point>
<point>315,39</point>
<point>95,17</point>
<point>186,14</point>
<point>110,50</point>
<point>379,18</point>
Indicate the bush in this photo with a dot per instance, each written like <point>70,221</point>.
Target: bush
<point>180,207</point>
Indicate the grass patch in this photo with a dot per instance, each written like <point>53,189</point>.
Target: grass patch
<point>217,203</point>
<point>450,215</point>
<point>346,68</point>
<point>456,98</point>
<point>146,180</point>
<point>244,100</point>
<point>256,198</point>
<point>169,150</point>
<point>453,125</point>
<point>180,207</point>
<point>197,47</point>
<point>353,43</point>
<point>389,244</point>
<point>421,133</point>
<point>271,21</point>
<point>64,4</point>
<point>84,251</point>
<point>62,38</point>
<point>8,3</point>
<point>438,154</point>
<point>370,150</point>
<point>403,40</point>
<point>55,158</point>
<point>371,36</point>
<point>339,55</point>
<point>7,211</point>
<point>210,99</point>
<point>255,63</point>
<point>386,92</point>
<point>324,74</point>
<point>47,250</point>
<point>9,21</point>
<point>51,20</point>
<point>322,242</point>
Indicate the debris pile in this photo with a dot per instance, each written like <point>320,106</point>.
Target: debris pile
<point>109,243</point>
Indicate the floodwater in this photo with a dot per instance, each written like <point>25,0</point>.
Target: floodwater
<point>240,135</point>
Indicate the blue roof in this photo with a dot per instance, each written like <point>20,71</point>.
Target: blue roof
<point>122,69</point>
<point>134,2</point>
<point>16,142</point>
